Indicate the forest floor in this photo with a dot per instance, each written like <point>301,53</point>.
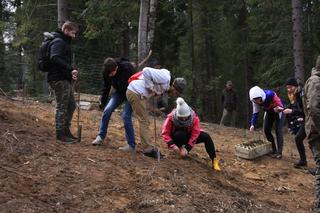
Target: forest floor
<point>37,174</point>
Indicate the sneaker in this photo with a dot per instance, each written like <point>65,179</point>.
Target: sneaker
<point>215,165</point>
<point>127,148</point>
<point>300,164</point>
<point>97,141</point>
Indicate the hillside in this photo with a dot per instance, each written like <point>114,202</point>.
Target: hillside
<point>39,175</point>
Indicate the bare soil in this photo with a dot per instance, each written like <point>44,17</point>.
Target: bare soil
<point>37,174</point>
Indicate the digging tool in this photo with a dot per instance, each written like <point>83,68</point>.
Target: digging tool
<point>77,87</point>
<point>144,60</point>
<point>78,119</point>
<point>155,127</point>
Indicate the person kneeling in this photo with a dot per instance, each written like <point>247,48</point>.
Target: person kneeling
<point>181,131</point>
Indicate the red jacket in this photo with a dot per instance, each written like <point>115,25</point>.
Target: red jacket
<point>168,129</point>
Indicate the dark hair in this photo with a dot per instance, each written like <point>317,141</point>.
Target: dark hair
<point>68,25</point>
<point>109,65</point>
<point>154,63</point>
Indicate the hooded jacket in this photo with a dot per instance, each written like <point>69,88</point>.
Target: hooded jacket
<point>60,58</point>
<point>311,103</point>
<point>269,98</point>
<point>151,82</point>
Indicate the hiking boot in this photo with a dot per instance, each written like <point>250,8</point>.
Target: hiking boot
<point>215,165</point>
<point>300,164</point>
<point>97,141</point>
<point>69,134</point>
<point>127,148</point>
<point>272,154</point>
<point>277,156</point>
<point>153,153</point>
<point>312,171</point>
<point>66,139</point>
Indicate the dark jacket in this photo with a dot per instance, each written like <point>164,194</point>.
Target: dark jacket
<point>229,99</point>
<point>297,112</point>
<point>60,58</point>
<point>119,82</point>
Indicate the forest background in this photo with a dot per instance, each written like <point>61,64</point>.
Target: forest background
<point>250,42</point>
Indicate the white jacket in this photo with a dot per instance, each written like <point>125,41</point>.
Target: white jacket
<point>151,82</point>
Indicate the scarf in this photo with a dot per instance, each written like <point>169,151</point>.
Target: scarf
<point>182,124</point>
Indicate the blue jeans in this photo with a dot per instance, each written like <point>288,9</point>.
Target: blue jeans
<point>115,101</point>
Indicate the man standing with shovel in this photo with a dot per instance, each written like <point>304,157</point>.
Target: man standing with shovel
<point>60,75</point>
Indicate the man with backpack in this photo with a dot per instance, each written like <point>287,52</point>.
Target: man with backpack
<point>116,74</point>
<point>144,85</point>
<point>60,75</point>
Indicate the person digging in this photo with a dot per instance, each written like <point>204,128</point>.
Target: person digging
<point>148,83</point>
<point>181,131</point>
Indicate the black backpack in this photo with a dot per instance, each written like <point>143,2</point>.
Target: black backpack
<point>44,52</point>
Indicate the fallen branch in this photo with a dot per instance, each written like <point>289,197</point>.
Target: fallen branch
<point>8,133</point>
<point>6,95</point>
<point>91,160</point>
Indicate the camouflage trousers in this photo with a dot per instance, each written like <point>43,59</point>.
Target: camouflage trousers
<point>66,104</point>
<point>314,143</point>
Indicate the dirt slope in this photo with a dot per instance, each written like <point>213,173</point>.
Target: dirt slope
<point>37,174</point>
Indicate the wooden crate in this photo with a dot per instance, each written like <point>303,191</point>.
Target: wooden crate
<point>253,149</point>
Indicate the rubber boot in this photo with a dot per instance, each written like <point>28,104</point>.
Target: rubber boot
<point>215,164</point>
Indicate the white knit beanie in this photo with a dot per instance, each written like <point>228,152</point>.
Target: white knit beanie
<point>183,110</point>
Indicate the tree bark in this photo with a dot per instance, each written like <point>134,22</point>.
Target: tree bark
<point>193,74</point>
<point>2,46</point>
<point>125,42</point>
<point>151,23</point>
<point>62,12</point>
<point>143,29</point>
<point>297,41</point>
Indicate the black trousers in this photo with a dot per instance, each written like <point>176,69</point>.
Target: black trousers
<point>270,118</point>
<point>299,137</point>
<point>181,137</point>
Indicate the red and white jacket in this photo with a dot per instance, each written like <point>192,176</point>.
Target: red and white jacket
<point>168,129</point>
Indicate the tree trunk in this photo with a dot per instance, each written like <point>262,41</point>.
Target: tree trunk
<point>151,23</point>
<point>193,74</point>
<point>143,29</point>
<point>62,12</point>
<point>2,47</point>
<point>125,43</point>
<point>297,41</point>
